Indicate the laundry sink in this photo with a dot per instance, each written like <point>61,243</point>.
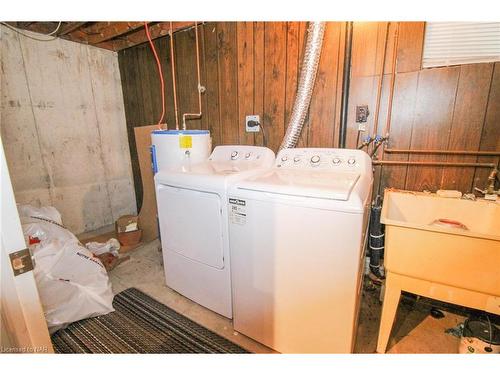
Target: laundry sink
<point>446,249</point>
<point>450,241</point>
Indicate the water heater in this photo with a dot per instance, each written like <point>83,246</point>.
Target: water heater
<point>173,148</point>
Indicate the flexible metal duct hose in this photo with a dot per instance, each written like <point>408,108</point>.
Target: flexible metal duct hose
<point>312,53</point>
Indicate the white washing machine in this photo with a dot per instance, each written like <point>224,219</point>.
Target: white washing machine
<point>297,235</point>
<point>192,213</point>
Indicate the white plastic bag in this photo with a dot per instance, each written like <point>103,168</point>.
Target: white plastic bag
<point>73,284</point>
<point>47,212</point>
<point>111,246</point>
<point>43,224</point>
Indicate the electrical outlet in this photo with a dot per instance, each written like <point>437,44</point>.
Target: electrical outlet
<point>252,123</point>
<point>362,113</point>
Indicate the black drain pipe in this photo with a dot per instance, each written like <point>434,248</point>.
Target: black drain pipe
<point>346,80</point>
<point>376,240</point>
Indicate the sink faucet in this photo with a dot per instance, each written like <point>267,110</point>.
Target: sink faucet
<point>490,192</point>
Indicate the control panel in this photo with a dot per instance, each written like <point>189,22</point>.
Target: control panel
<point>242,154</point>
<point>339,159</point>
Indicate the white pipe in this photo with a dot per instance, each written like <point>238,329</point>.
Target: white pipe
<point>172,61</point>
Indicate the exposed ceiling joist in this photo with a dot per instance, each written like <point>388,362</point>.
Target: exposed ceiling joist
<point>70,27</point>
<point>109,35</point>
<point>95,27</point>
<point>37,27</point>
<point>155,31</point>
<point>114,30</point>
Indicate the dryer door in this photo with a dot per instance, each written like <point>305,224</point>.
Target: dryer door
<point>191,224</point>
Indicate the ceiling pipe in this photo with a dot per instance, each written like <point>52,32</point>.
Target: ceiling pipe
<point>394,71</point>
<point>346,78</point>
<point>174,85</point>
<point>201,89</point>
<point>312,53</point>
<point>380,82</point>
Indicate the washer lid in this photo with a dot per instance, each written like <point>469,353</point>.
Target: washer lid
<point>320,184</point>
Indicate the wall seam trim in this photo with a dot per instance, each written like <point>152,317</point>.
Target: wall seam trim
<point>106,183</point>
<point>412,121</point>
<point>51,185</point>
<point>494,67</point>
<point>450,130</point>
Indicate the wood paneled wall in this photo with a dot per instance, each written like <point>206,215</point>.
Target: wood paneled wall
<point>253,68</point>
<point>448,108</point>
<point>248,68</point>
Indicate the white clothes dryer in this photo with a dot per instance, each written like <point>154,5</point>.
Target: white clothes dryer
<point>192,214</point>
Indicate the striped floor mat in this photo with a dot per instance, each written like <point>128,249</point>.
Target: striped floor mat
<point>140,324</point>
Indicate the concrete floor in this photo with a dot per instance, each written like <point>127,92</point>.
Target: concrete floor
<point>415,331</point>
<point>145,272</point>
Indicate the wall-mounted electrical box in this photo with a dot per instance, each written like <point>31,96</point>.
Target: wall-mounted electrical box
<point>362,113</point>
<point>252,123</point>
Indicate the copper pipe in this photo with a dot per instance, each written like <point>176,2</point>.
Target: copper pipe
<point>442,152</point>
<point>172,60</point>
<point>200,88</point>
<point>393,80</point>
<point>346,83</point>
<point>433,163</point>
<point>380,82</point>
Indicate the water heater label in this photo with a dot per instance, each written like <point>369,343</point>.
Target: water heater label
<point>185,141</point>
<point>237,211</point>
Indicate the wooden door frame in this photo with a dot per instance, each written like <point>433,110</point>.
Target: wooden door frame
<point>22,317</point>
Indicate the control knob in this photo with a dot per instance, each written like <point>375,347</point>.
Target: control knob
<point>315,159</point>
<point>247,156</point>
<point>336,161</point>
<point>351,161</point>
<point>234,155</point>
<point>284,158</point>
<point>296,159</point>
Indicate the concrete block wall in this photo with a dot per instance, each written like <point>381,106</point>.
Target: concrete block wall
<point>63,129</point>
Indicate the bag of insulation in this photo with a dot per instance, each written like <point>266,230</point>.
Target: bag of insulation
<point>73,284</point>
